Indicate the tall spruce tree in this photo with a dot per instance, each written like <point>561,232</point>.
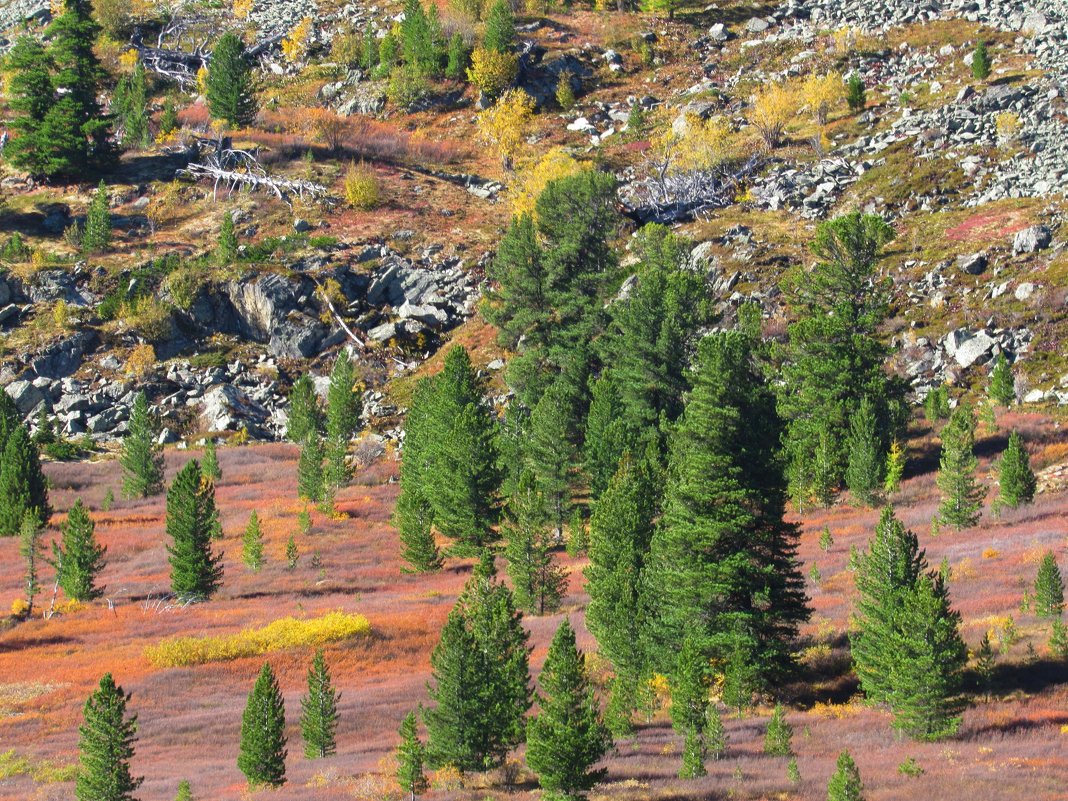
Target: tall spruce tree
<point>538,582</point>
<point>551,450</point>
<point>230,90</point>
<point>192,523</point>
<point>929,658</point>
<point>499,35</point>
<point>80,558</point>
<point>551,274</point>
<point>414,515</point>
<point>458,455</point>
<point>722,556</point>
<point>835,355</point>
<point>778,737</point>
<point>310,479</point>
<point>456,732</point>
<point>567,737</point>
<point>652,333</point>
<point>411,757</point>
<point>130,106</point>
<point>1016,480</point>
<point>621,530</point>
<point>417,40</point>
<point>252,544</point>
<point>689,705</point>
<point>607,436</point>
<point>845,784</point>
<point>106,746</point>
<point>319,713</point>
<point>962,495</point>
<point>343,408</point>
<point>305,413</point>
<point>23,489</point>
<point>1049,587</point>
<point>1002,389</point>
<point>262,757</point>
<point>890,566</point>
<point>865,459</point>
<point>30,96</point>
<point>142,455</point>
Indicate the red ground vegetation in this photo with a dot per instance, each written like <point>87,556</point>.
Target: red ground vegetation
<point>1010,746</point>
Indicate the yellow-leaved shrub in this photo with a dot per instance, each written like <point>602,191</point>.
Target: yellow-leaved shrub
<point>286,632</point>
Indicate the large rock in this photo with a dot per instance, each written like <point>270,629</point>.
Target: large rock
<point>1031,240</point>
<point>25,395</point>
<point>267,311</point>
<point>227,408</point>
<point>973,264</point>
<point>63,358</point>
<point>974,348</point>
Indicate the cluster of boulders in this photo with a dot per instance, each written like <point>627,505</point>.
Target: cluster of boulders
<point>810,189</point>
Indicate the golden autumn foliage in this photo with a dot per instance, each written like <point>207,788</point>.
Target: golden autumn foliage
<point>141,360</point>
<point>492,72</point>
<point>295,45</point>
<point>361,186</point>
<point>242,8</point>
<point>773,108</point>
<point>502,125</point>
<point>286,632</point>
<point>534,176</point>
<point>699,145</point>
<point>821,94</point>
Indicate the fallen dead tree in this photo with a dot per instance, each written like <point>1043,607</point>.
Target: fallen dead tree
<point>232,169</point>
<point>665,195</point>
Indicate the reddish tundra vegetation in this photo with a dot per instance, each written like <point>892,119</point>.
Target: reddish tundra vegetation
<point>1012,744</point>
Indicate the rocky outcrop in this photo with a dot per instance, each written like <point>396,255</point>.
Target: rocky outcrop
<point>271,309</point>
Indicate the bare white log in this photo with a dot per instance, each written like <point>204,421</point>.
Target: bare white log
<point>232,169</point>
<point>668,195</point>
<point>337,317</point>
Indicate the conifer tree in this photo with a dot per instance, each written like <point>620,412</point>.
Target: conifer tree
<point>413,518</point>
<point>890,566</point>
<point>209,464</point>
<point>1058,639</point>
<point>500,28</point>
<point>263,733</point>
<point>723,555</point>
<point>106,746</point>
<point>142,455</point>
<point>310,479</point>
<point>23,490</point>
<point>130,106</point>
<point>715,735</point>
<point>305,413</point>
<point>192,522</point>
<point>252,544</point>
<point>653,331</point>
<point>984,662</point>
<point>856,93</point>
<point>607,436</point>
<point>1002,388</point>
<point>80,558</point>
<point>30,550</point>
<point>97,235</point>
<point>621,529</point>
<point>566,738</point>
<point>981,62</point>
<point>689,705</point>
<point>319,714</point>
<point>538,582</point>
<point>865,460</point>
<point>779,734</point>
<point>10,419</point>
<point>31,96</point>
<point>845,784</point>
<point>292,554</point>
<point>456,63</point>
<point>46,428</point>
<point>962,495</point>
<point>229,85</point>
<point>1049,587</point>
<point>414,514</point>
<point>936,404</point>
<point>928,659</point>
<point>417,40</point>
<point>459,472</point>
<point>411,756</point>
<point>343,407</point>
<point>226,252</point>
<point>1015,477</point>
<point>185,791</point>
<point>835,354</point>
<point>456,734</point>
<point>551,451</point>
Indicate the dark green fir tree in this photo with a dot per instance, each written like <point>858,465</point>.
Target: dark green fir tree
<point>78,557</point>
<point>192,523</point>
<point>262,756</point>
<point>319,713</point>
<point>1016,479</point>
<point>962,494</point>
<point>142,455</point>
<point>411,759</point>
<point>1049,587</point>
<point>23,489</point>
<point>230,91</point>
<point>305,413</point>
<point>865,459</point>
<point>209,463</point>
<point>106,746</point>
<point>252,544</point>
<point>1002,388</point>
<point>845,784</point>
<point>538,582</point>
